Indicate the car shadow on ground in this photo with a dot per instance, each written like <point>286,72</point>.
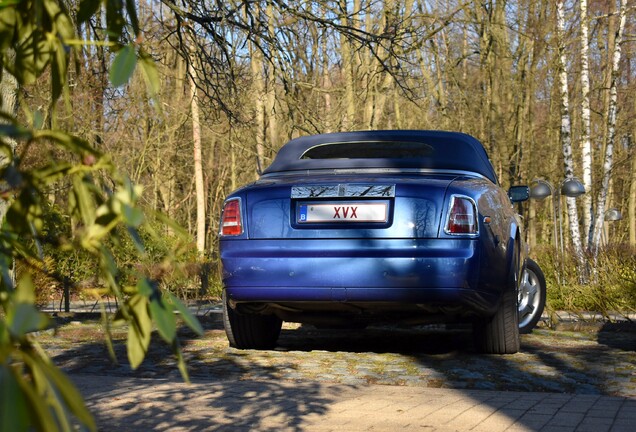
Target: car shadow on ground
<point>619,335</point>
<point>288,382</point>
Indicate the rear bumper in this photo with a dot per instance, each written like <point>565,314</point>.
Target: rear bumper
<point>357,271</point>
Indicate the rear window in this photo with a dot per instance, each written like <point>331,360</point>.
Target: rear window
<point>370,150</point>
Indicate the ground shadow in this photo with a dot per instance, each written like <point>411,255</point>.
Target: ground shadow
<point>619,335</point>
<point>287,383</point>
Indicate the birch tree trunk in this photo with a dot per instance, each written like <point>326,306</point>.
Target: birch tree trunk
<point>586,145</point>
<point>611,131</point>
<point>198,164</point>
<point>566,136</point>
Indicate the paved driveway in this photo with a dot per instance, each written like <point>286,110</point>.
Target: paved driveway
<point>377,379</point>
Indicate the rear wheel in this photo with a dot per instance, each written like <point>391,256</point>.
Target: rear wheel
<point>500,334</point>
<point>250,331</point>
<point>532,295</point>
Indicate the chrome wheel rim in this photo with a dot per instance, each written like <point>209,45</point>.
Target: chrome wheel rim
<point>529,297</point>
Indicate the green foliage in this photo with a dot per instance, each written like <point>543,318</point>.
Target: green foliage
<point>611,289</point>
<point>35,37</point>
<point>123,66</point>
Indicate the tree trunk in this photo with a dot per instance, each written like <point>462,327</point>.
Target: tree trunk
<point>373,72</point>
<point>272,117</point>
<point>8,105</point>
<point>611,131</point>
<point>326,83</point>
<point>198,164</point>
<point>348,70</point>
<point>566,137</point>
<point>586,145</point>
<point>259,99</point>
<point>632,196</point>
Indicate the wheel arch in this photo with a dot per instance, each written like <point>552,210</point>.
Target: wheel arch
<point>515,254</point>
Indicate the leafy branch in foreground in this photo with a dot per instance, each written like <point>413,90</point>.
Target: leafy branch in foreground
<point>34,393</point>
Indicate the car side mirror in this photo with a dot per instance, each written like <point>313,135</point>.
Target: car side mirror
<point>518,193</point>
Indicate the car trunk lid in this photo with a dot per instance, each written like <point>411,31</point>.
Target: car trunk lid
<point>346,207</point>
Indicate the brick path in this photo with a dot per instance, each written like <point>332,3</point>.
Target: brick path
<point>133,404</point>
<point>376,380</point>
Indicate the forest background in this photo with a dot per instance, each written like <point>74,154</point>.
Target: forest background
<point>546,86</point>
<point>123,122</point>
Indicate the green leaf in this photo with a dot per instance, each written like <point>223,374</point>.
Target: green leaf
<point>12,401</point>
<point>38,119</point>
<point>150,73</point>
<point>8,21</point>
<point>187,316</point>
<point>83,200</point>
<point>63,387</point>
<point>70,142</point>
<point>181,364</point>
<point>87,9</point>
<point>123,66</point>
<point>144,288</point>
<point>139,330</point>
<point>131,9</point>
<point>59,69</point>
<point>12,176</point>
<point>164,319</point>
<point>50,173</point>
<point>41,416</point>
<point>115,20</point>
<point>24,318</point>
<point>132,216</point>
<point>25,292</point>
<point>14,131</point>
<point>43,386</point>
<point>137,240</point>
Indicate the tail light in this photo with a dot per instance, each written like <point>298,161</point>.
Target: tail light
<point>462,216</point>
<point>231,221</point>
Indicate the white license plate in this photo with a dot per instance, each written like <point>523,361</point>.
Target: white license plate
<point>342,212</point>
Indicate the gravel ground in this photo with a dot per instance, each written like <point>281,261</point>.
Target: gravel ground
<point>598,359</point>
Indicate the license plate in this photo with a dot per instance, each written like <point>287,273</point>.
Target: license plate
<point>349,212</point>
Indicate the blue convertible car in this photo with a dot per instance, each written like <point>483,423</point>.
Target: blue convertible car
<point>354,228</point>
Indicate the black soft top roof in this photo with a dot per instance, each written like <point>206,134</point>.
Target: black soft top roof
<point>408,149</point>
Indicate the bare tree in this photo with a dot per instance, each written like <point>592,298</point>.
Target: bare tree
<point>586,145</point>
<point>611,130</point>
<point>566,134</point>
<point>197,158</point>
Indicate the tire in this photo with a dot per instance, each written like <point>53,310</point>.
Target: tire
<point>532,296</point>
<point>500,334</point>
<point>250,331</point>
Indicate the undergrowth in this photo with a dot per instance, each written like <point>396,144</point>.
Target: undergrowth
<point>610,287</point>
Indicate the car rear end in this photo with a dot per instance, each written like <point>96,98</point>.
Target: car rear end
<point>357,247</point>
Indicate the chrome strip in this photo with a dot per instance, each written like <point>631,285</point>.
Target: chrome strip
<point>343,191</point>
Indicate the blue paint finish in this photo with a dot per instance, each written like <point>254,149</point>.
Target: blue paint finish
<point>272,211</point>
<point>407,263</point>
<point>362,270</point>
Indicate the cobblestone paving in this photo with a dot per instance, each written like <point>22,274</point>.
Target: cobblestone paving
<point>595,361</point>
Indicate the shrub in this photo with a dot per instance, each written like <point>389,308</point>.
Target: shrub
<point>166,259</point>
<point>611,287</point>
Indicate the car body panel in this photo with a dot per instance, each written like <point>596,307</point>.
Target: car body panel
<point>402,267</point>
